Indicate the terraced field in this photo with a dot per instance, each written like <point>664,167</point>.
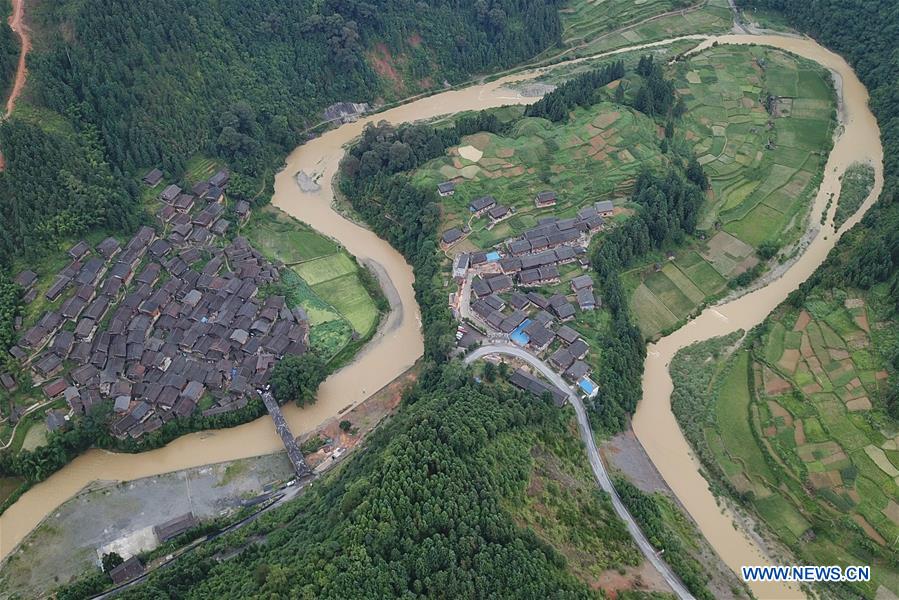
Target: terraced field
<point>584,19</point>
<point>764,169</point>
<point>589,24</point>
<point>798,430</point>
<point>760,122</point>
<point>595,155</point>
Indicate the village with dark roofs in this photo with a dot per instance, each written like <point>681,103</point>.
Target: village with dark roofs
<point>163,326</point>
<point>499,298</point>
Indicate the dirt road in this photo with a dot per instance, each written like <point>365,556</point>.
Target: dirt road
<point>17,24</point>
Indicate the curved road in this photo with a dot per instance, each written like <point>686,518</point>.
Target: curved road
<point>599,470</point>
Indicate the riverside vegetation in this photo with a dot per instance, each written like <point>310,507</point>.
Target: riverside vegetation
<point>454,429</point>
<point>799,424</point>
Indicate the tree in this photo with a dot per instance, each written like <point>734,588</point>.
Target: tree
<point>696,174</point>
<point>619,93</point>
<point>345,425</point>
<point>767,249</point>
<point>490,372</point>
<point>298,378</point>
<point>503,369</point>
<point>110,561</point>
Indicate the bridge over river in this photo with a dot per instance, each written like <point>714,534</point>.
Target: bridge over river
<point>290,443</point>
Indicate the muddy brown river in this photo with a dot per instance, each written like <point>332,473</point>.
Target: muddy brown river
<point>399,341</point>
<point>654,422</point>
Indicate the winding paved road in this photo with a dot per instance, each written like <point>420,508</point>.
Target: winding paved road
<point>599,470</point>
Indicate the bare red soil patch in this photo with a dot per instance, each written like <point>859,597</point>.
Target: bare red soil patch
<point>384,64</point>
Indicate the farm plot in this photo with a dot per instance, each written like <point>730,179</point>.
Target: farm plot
<point>322,279</point>
<point>820,475</point>
<point>327,267</point>
<point>349,297</point>
<point>584,19</point>
<point>824,425</point>
<point>595,155</point>
<point>285,239</point>
<point>760,122</point>
<point>711,17</point>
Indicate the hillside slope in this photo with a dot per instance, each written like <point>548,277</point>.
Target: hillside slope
<point>144,84</point>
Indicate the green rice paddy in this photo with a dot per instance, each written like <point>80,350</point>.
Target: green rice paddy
<point>764,170</point>
<point>798,421</point>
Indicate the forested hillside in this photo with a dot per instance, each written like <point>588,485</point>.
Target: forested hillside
<point>143,84</point>
<point>426,510</point>
<point>9,49</point>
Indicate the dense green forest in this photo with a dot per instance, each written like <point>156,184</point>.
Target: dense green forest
<point>143,84</point>
<point>9,50</point>
<point>580,91</point>
<point>56,186</point>
<point>423,511</point>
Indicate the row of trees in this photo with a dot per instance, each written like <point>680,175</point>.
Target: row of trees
<point>10,308</point>
<point>580,91</point>
<point>669,207</point>
<point>405,214</point>
<point>92,431</point>
<point>656,94</point>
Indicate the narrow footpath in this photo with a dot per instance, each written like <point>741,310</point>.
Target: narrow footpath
<point>599,469</point>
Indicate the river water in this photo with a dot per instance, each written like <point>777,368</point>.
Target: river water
<point>654,422</point>
<point>399,341</point>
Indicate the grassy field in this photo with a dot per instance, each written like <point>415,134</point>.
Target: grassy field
<point>322,278</point>
<point>797,429</point>
<point>277,235</point>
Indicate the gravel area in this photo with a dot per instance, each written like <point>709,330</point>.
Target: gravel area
<point>66,544</point>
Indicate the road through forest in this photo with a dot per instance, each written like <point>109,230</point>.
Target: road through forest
<point>599,469</point>
<point>401,345</point>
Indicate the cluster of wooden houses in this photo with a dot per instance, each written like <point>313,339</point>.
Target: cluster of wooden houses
<point>503,298</point>
<point>157,325</point>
